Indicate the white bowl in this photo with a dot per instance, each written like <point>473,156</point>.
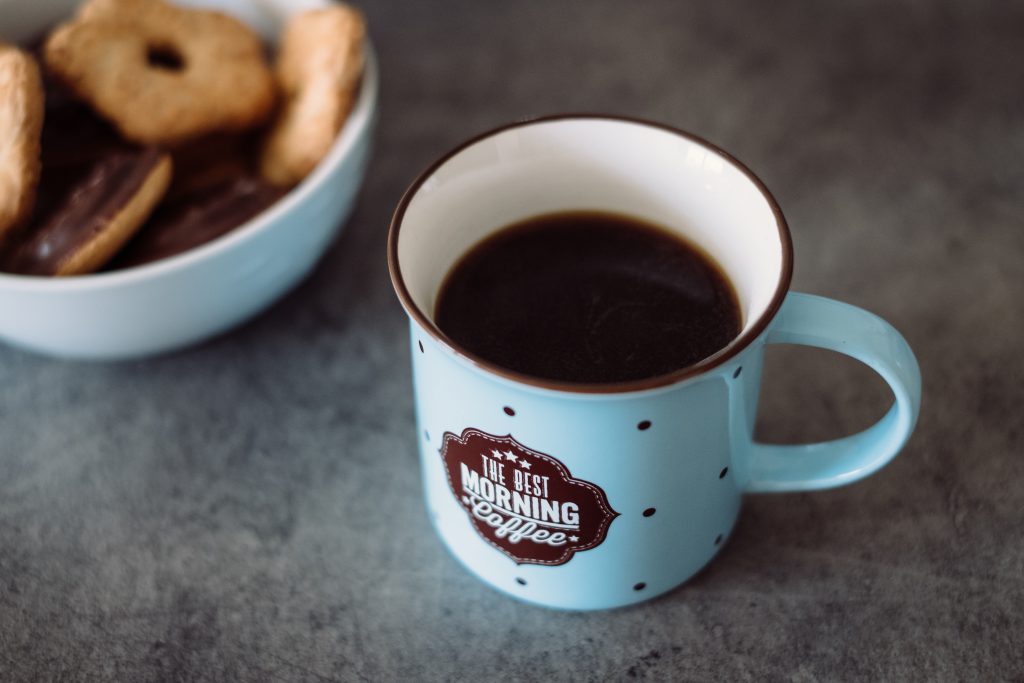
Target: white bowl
<point>189,297</point>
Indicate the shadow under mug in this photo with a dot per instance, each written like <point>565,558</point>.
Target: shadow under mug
<point>591,496</point>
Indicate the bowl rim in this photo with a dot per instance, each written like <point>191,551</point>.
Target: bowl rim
<point>355,127</point>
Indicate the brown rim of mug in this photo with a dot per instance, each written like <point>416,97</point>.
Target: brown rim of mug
<point>718,358</point>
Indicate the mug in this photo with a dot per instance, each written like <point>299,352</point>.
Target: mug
<point>592,496</point>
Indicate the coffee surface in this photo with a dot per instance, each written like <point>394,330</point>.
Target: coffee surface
<point>588,297</point>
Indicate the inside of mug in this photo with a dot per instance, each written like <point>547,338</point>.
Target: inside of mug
<point>632,168</point>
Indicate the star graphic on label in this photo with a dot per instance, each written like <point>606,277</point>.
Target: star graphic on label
<point>574,538</point>
<point>509,455</point>
<point>496,455</point>
<point>525,464</point>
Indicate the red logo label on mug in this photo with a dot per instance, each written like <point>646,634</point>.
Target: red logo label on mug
<point>524,503</point>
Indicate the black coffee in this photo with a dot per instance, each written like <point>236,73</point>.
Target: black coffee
<point>588,297</point>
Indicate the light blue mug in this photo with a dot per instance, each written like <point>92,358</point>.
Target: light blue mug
<point>582,496</point>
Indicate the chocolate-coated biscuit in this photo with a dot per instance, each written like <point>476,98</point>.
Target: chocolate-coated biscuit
<point>195,218</point>
<point>99,213</point>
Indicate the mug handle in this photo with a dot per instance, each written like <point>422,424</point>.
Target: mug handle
<point>811,320</point>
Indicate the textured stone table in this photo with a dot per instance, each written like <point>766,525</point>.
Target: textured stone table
<point>250,508</point>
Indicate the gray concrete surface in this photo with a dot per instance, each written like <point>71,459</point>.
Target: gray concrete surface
<point>250,509</point>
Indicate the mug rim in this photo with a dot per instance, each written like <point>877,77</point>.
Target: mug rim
<point>720,357</point>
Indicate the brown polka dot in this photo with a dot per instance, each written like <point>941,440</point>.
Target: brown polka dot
<point>640,586</point>
<point>421,346</point>
<point>737,373</point>
<point>725,471</point>
<point>649,511</point>
<point>718,539</point>
<point>646,424</point>
<point>521,582</point>
<point>509,411</point>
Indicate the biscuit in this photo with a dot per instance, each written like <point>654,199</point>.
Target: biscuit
<point>98,214</point>
<point>21,125</point>
<point>163,74</point>
<point>318,68</point>
<point>202,215</point>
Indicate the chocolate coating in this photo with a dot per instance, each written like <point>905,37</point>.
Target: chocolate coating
<point>90,202</point>
<point>195,219</point>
